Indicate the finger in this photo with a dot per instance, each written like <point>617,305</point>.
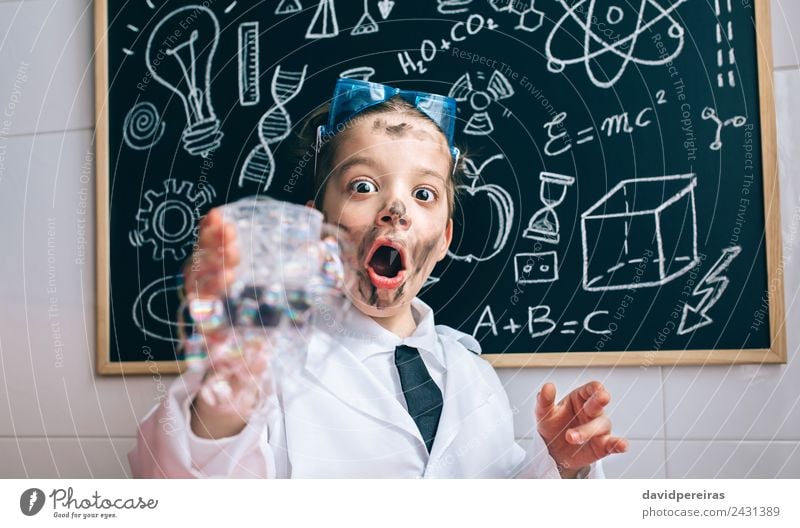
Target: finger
<point>585,391</point>
<point>216,235</point>
<point>585,432</point>
<point>611,444</point>
<point>545,401</point>
<point>213,216</point>
<point>616,445</point>
<point>210,234</point>
<point>595,404</point>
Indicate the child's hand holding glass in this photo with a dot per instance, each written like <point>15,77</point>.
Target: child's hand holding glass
<point>260,267</point>
<point>233,383</point>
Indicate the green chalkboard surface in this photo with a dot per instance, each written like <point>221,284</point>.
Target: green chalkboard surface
<point>620,200</point>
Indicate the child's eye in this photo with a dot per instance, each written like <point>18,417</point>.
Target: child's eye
<point>363,186</point>
<point>424,194</point>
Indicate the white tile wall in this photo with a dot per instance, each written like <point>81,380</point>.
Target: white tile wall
<point>55,392</point>
<point>65,457</point>
<point>737,459</point>
<point>785,38</point>
<point>748,401</point>
<point>63,421</point>
<point>52,42</point>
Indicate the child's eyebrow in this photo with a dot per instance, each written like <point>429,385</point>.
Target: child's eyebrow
<point>351,162</point>
<point>424,171</point>
<point>371,163</point>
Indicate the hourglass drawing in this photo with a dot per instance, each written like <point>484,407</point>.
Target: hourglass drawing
<point>543,225</point>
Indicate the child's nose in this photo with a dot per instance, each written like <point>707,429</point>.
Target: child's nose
<point>395,214</point>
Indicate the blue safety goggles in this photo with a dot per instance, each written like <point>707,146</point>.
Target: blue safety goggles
<point>352,96</point>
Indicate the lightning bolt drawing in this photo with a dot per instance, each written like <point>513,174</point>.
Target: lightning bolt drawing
<point>32,500</point>
<point>709,289</point>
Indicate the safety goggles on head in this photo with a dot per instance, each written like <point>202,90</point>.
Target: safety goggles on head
<point>352,96</point>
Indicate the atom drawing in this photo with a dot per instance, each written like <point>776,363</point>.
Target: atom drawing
<point>611,30</point>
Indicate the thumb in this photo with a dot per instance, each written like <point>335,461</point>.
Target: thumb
<point>545,401</point>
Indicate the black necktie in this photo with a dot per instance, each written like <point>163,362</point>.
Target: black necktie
<point>423,397</point>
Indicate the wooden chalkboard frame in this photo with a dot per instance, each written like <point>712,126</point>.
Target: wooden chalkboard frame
<point>776,353</point>
<point>103,362</point>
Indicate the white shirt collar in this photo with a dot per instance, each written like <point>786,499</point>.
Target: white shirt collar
<point>364,337</point>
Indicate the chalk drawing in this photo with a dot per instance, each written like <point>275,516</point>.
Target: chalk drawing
<point>735,122</point>
<point>502,207</point>
<point>571,26</point>
<point>170,218</point>
<point>643,233</point>
<point>497,89</point>
<point>710,290</point>
<point>183,65</point>
<point>324,23</point>
<point>533,268</point>
<point>273,127</point>
<point>142,127</point>
<point>249,72</point>
<point>544,225</point>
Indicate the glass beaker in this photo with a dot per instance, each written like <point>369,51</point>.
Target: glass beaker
<point>289,262</point>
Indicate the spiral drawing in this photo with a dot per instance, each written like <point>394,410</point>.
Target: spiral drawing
<point>143,127</point>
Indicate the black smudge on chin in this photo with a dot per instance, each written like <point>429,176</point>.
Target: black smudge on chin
<point>361,281</point>
<point>400,291</point>
<point>363,247</point>
<point>366,243</point>
<point>373,298</point>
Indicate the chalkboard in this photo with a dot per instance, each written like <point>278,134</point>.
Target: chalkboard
<point>619,203</point>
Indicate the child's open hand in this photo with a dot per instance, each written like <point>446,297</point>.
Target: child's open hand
<point>577,431</point>
<point>234,383</point>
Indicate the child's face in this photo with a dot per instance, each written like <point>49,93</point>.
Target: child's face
<point>388,190</point>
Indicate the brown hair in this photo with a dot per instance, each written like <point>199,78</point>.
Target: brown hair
<point>307,137</point>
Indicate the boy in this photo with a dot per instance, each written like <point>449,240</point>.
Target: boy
<point>384,392</point>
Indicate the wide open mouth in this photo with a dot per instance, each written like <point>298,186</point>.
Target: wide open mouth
<point>387,261</point>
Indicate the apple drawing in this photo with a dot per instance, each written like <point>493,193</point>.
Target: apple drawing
<point>489,210</point>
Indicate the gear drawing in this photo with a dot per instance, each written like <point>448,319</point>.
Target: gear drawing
<point>169,220</point>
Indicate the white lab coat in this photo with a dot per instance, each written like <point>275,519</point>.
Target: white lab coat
<point>335,417</point>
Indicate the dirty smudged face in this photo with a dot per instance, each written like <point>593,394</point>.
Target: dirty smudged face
<point>388,191</point>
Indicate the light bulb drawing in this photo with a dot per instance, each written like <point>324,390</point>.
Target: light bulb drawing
<point>180,52</point>
<point>544,225</point>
